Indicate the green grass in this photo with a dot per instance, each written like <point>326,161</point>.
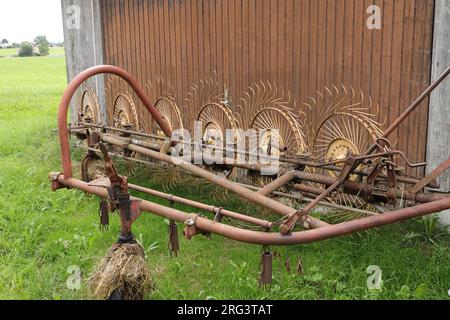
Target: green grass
<point>43,233</point>
<point>13,52</point>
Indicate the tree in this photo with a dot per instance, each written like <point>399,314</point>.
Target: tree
<point>26,49</point>
<point>40,39</point>
<point>43,45</point>
<point>4,41</point>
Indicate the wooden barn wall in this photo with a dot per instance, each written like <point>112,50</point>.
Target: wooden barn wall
<point>301,45</point>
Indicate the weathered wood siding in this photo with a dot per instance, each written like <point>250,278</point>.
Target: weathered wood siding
<point>302,45</point>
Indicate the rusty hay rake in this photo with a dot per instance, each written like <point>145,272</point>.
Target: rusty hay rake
<point>332,152</point>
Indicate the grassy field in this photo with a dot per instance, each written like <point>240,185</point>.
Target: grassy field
<point>42,233</point>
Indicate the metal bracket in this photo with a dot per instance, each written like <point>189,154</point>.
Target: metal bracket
<point>266,267</point>
<point>302,214</point>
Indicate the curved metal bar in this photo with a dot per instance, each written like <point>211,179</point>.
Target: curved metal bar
<point>273,238</point>
<point>70,91</point>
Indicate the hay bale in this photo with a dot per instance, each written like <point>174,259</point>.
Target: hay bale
<point>122,272</point>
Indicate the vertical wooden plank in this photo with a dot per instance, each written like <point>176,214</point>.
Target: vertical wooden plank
<point>321,45</point>
<point>178,81</point>
<point>189,45</point>
<point>246,33</point>
<point>172,37</point>
<point>348,42</point>
<point>200,47</point>
<point>212,36</point>
<point>219,40</point>
<point>273,74</point>
<point>146,41</point>
<point>110,20</point>
<point>258,50</point>
<point>366,52</point>
<point>302,27</point>
<point>121,38</point>
<point>253,29</point>
<point>206,39</point>
<point>232,47</point>
<point>405,130</point>
<point>139,44</point>
<point>162,41</point>
<point>339,37</point>
<point>426,79</point>
<point>104,7</point>
<point>313,46</point>
<point>331,50</point>
<point>289,58</point>
<point>133,35</point>
<point>416,70</point>
<point>396,66</point>
<point>386,59</point>
<point>157,33</point>
<point>185,65</point>
<point>238,70</point>
<point>166,40</point>
<point>281,44</point>
<point>358,31</point>
<point>225,43</point>
<point>377,44</point>
<point>195,41</point>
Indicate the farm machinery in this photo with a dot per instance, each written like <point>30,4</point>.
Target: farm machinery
<point>330,153</point>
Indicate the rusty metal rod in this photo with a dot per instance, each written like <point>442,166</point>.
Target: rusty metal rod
<point>213,209</point>
<point>266,238</point>
<point>433,175</point>
<point>254,197</point>
<point>276,184</point>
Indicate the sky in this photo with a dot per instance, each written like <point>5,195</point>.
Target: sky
<point>23,20</point>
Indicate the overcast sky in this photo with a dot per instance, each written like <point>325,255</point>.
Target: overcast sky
<point>23,20</point>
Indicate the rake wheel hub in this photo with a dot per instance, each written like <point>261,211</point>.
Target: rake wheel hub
<point>339,149</point>
<point>265,143</point>
<point>211,134</point>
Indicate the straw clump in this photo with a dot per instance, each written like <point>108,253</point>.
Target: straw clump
<point>122,272</point>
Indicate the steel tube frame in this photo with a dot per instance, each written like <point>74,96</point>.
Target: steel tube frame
<point>266,238</point>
